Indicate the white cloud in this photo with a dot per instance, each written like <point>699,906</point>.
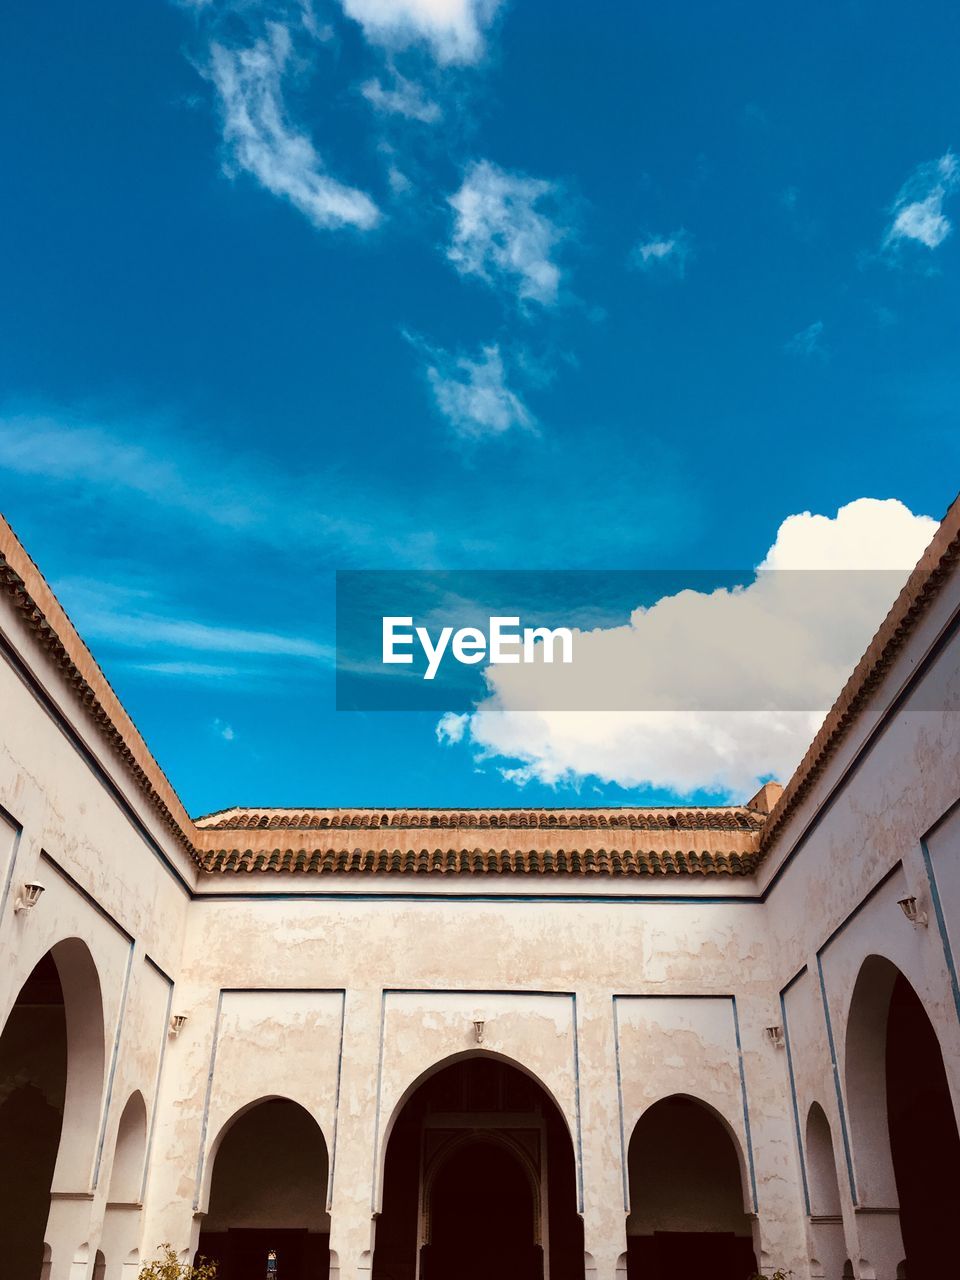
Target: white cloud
<point>473,394</point>
<point>452,727</point>
<point>454,29</point>
<point>224,730</point>
<point>670,252</point>
<point>786,640</point>
<point>918,210</point>
<point>807,342</point>
<point>263,142</point>
<point>502,236</point>
<point>405,98</point>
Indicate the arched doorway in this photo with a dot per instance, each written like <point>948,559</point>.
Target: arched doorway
<point>479,1181</point>
<point>268,1190</point>
<point>827,1247</point>
<point>687,1215</point>
<point>904,1138</point>
<point>51,1068</point>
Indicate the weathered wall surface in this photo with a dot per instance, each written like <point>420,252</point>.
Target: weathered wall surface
<point>61,824</point>
<point>880,825</point>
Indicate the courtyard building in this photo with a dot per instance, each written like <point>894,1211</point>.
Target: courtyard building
<point>536,1044</point>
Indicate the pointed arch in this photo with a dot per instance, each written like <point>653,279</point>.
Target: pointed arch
<point>267,1176</point>
<point>822,1179</point>
<point>126,1177</point>
<point>52,1056</point>
<point>435,1068</point>
<point>904,1141</point>
<point>690,1194</point>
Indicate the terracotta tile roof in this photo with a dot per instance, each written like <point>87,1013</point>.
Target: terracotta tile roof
<point>55,635</point>
<point>541,862</point>
<point>733,818</point>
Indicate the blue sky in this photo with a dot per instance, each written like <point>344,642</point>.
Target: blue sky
<point>293,287</point>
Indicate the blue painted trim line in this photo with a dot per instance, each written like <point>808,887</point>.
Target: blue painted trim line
<point>114,1057</point>
<point>941,925</point>
<point>336,1105</point>
<point>14,851</point>
<point>793,1090</point>
<point>164,1037</point>
<point>623,1136</point>
<point>746,1109</point>
<point>576,1078</point>
<point>836,1079</point>
<point>206,1101</point>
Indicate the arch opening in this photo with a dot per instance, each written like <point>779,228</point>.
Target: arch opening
<point>827,1245</point>
<point>479,1180</point>
<point>906,1147</point>
<point>51,1083</point>
<point>126,1178</point>
<point>33,1084</point>
<point>687,1213</point>
<point>268,1191</point>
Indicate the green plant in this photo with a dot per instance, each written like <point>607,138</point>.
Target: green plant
<point>779,1274</point>
<point>169,1267</point>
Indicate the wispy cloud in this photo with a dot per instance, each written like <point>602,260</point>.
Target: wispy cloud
<point>669,253</point>
<point>235,494</point>
<point>502,235</point>
<point>808,342</point>
<point>262,141</point>
<point>453,29</point>
<point>224,730</point>
<point>917,212</point>
<point>189,670</point>
<point>472,392</point>
<point>403,98</point>
<point>132,619</point>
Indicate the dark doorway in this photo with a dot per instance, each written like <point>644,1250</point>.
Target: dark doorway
<point>482,1185</point>
<point>33,1081</point>
<point>268,1191</point>
<point>492,1158</point>
<point>687,1218</point>
<point>923,1135</point>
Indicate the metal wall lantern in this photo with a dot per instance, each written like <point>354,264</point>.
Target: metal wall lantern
<point>911,909</point>
<point>29,896</point>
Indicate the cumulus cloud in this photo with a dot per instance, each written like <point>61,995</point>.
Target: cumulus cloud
<point>453,29</point>
<point>808,342</point>
<point>669,252</point>
<point>735,681</point>
<point>917,213</point>
<point>502,235</point>
<point>263,142</point>
<point>403,98</point>
<point>472,392</point>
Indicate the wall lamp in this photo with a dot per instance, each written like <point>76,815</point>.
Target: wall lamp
<point>29,896</point>
<point>177,1023</point>
<point>912,911</point>
<point>775,1036</point>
